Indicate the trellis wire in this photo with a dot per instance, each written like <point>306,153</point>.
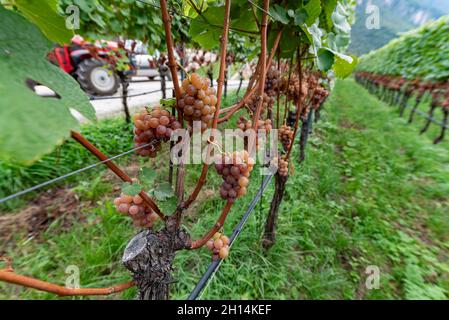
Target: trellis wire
<point>140,94</point>
<point>214,266</point>
<point>60,178</point>
<point>128,96</point>
<point>425,115</point>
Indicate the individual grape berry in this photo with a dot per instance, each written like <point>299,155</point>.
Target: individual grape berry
<point>218,244</point>
<point>123,208</point>
<point>224,252</point>
<point>210,244</point>
<point>134,210</point>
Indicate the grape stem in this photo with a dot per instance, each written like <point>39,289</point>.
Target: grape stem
<point>218,225</point>
<point>263,65</point>
<point>250,89</point>
<point>114,168</point>
<point>185,71</point>
<point>179,190</point>
<point>10,276</point>
<point>298,104</point>
<point>278,108</point>
<point>290,70</point>
<point>215,144</point>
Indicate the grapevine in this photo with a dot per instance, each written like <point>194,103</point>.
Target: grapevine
<point>149,255</point>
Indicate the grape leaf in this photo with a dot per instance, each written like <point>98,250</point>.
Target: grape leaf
<point>30,125</point>
<point>131,189</point>
<point>344,65</point>
<point>44,14</point>
<point>326,59</point>
<point>328,9</point>
<point>147,176</point>
<point>206,30</point>
<point>163,192</point>
<point>279,13</point>
<point>313,9</point>
<point>169,204</point>
<point>168,102</point>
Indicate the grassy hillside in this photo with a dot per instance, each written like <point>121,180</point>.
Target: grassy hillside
<point>371,192</point>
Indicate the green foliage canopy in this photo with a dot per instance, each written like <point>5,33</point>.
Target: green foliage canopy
<point>421,53</point>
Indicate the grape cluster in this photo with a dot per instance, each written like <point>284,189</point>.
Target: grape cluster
<point>273,82</point>
<point>253,102</point>
<point>245,124</point>
<point>293,91</point>
<point>283,167</point>
<point>320,95</point>
<point>286,136</point>
<point>198,101</point>
<point>153,126</point>
<point>134,206</point>
<point>219,245</point>
<point>235,169</point>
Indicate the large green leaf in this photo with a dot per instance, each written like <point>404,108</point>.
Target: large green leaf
<point>326,59</point>
<point>44,14</point>
<point>206,30</point>
<point>328,9</point>
<point>30,125</point>
<point>279,14</point>
<point>344,65</point>
<point>313,9</point>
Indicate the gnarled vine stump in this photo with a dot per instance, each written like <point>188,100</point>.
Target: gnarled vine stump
<point>149,256</point>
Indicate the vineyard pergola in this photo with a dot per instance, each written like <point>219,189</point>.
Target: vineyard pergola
<point>299,42</point>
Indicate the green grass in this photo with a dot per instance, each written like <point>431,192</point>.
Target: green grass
<point>371,192</point>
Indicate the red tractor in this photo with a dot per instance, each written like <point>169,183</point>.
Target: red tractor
<point>92,66</point>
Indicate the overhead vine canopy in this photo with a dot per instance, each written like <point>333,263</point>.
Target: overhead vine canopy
<point>323,25</point>
<point>413,55</point>
<point>128,19</point>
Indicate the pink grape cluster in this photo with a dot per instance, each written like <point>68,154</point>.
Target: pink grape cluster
<point>219,245</point>
<point>134,206</point>
<point>153,126</point>
<point>235,169</point>
<point>198,102</point>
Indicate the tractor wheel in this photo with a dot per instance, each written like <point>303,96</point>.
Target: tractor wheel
<point>97,78</point>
